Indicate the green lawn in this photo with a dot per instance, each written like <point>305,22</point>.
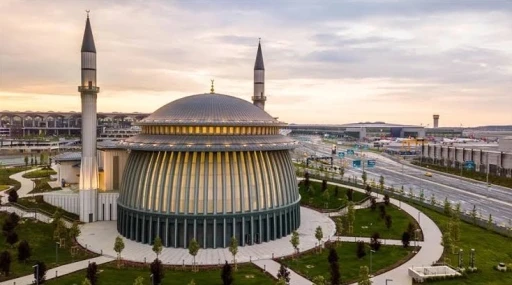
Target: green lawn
<point>247,274</point>
<point>368,222</point>
<point>41,185</point>
<point>4,187</point>
<point>6,172</point>
<point>41,173</point>
<point>317,199</point>
<point>38,203</point>
<point>490,249</point>
<point>314,264</point>
<point>40,238</point>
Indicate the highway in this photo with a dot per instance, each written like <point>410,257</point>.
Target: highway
<point>494,200</point>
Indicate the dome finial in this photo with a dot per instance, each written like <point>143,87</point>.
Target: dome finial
<point>212,90</point>
<point>87,11</point>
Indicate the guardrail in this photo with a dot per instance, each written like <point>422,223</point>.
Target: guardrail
<point>37,211</point>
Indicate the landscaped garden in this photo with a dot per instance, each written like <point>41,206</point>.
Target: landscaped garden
<point>322,196</point>
<point>490,249</point>
<point>246,274</point>
<point>41,239</point>
<point>313,264</point>
<point>40,173</point>
<point>6,172</point>
<point>373,220</point>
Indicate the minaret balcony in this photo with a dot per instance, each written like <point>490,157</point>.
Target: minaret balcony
<point>259,98</point>
<point>88,89</point>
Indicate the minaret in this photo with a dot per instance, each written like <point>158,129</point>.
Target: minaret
<point>88,92</point>
<point>259,98</point>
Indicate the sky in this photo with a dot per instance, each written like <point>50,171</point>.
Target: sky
<point>327,62</point>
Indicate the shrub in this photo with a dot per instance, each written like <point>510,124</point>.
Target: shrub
<point>375,242</point>
<point>92,273</point>
<point>361,250</point>
<point>406,238</point>
<point>157,270</point>
<point>386,200</point>
<point>227,274</point>
<point>24,251</point>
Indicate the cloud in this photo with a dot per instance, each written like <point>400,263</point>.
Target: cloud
<point>393,58</point>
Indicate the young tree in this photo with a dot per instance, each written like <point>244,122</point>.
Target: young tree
<point>233,248</point>
<point>489,222</point>
<point>118,248</point>
<point>375,242</point>
<point>92,273</point>
<point>319,235</point>
<point>364,177</point>
<point>361,249</point>
<point>351,217</point>
<point>411,227</point>
<point>26,161</point>
<point>11,238</point>
<point>13,196</point>
<point>284,274</point>
<point>342,172</point>
<point>474,214</point>
<point>295,241</point>
<point>32,161</point>
<point>326,195</point>
<point>14,218</point>
<point>138,281</point>
<point>5,262</point>
<point>422,196</point>
<point>458,210</point>
<point>339,227</point>
<point>447,241</point>
<point>455,229</point>
<point>74,231</point>
<point>411,194</point>
<point>157,270</point>
<point>157,246</point>
<point>334,267</point>
<point>306,179</point>
<point>389,221</point>
<point>40,272</point>
<point>447,207</point>
<point>60,232</point>
<point>324,185</point>
<point>24,251</point>
<point>381,183</point>
<point>433,201</point>
<point>193,248</point>
<point>373,203</point>
<point>386,200</point>
<point>227,274</point>
<point>402,191</point>
<point>364,276</point>
<point>350,195</point>
<point>382,210</point>
<point>406,238</point>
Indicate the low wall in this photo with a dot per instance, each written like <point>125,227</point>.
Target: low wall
<point>69,201</point>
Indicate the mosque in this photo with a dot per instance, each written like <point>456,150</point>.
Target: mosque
<point>207,166</point>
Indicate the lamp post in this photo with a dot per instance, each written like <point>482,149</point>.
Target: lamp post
<point>388,280</point>
<point>472,258</point>
<point>152,280</point>
<point>57,252</point>
<point>371,260</point>
<point>37,273</point>
<point>460,258</point>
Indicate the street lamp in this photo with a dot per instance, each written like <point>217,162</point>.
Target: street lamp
<point>460,259</point>
<point>388,280</point>
<point>57,244</point>
<point>371,261</point>
<point>37,273</point>
<point>152,279</point>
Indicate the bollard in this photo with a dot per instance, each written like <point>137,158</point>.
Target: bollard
<point>56,273</point>
<point>183,262</point>
<point>264,268</point>
<point>144,260</point>
<point>250,258</point>
<point>89,262</point>
<point>219,261</point>
<point>101,252</point>
<point>272,255</point>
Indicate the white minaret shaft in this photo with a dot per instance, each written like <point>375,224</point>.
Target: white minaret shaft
<point>89,164</point>
<point>259,97</point>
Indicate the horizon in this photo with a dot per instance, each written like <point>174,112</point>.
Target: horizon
<point>390,61</point>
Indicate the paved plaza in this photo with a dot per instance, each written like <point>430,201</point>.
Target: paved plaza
<point>99,237</point>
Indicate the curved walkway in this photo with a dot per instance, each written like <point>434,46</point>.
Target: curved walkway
<point>26,185</point>
<point>431,248</point>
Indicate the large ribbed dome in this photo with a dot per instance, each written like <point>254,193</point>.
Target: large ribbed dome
<point>217,109</point>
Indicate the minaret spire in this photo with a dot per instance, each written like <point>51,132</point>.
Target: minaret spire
<point>258,97</point>
<point>89,179</point>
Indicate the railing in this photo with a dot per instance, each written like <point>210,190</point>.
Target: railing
<point>37,211</point>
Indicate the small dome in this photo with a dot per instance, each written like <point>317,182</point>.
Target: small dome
<point>210,109</point>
